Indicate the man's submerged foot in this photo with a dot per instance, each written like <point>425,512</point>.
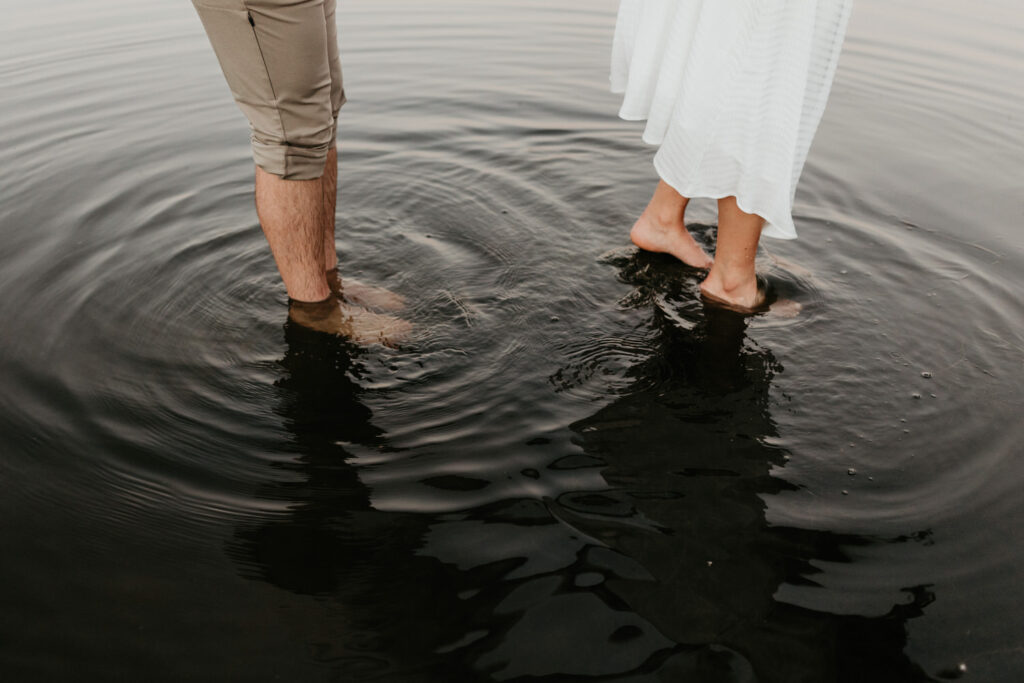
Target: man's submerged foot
<point>650,234</point>
<point>352,322</point>
<point>364,295</point>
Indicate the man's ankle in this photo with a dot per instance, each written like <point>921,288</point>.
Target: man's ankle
<point>311,294</point>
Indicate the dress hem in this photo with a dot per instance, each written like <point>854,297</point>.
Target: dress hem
<point>772,228</point>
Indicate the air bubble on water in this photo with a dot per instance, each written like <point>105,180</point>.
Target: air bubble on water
<point>554,318</point>
<point>871,478</point>
<point>916,395</point>
<point>852,472</point>
<point>903,419</point>
<point>845,492</point>
<point>926,375</point>
<point>786,457</point>
<point>906,431</point>
<point>843,272</point>
<point>933,395</point>
<point>954,673</point>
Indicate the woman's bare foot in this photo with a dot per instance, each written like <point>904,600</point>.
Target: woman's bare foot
<point>364,295</point>
<point>660,228</point>
<point>732,281</point>
<point>352,322</point>
<point>744,296</point>
<point>761,302</point>
<point>650,234</point>
<point>785,308</point>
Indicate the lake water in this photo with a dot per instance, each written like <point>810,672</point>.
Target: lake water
<point>573,472</point>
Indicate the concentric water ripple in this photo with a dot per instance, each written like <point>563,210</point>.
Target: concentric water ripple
<point>573,470</point>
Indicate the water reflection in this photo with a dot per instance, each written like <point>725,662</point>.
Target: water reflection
<point>384,610</point>
<point>689,464</point>
<point>666,572</point>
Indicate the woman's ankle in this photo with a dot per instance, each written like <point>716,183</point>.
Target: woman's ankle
<point>666,207</point>
<point>665,214</point>
<point>731,282</point>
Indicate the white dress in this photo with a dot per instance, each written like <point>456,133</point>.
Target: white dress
<point>732,90</point>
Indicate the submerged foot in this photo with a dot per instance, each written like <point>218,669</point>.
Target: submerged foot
<point>752,296</point>
<point>668,237</point>
<point>352,322</point>
<point>746,296</point>
<point>785,308</point>
<point>364,295</point>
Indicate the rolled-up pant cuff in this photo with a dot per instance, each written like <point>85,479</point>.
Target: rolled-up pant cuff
<point>292,162</point>
<point>280,59</point>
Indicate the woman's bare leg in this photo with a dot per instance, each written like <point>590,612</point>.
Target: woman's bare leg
<point>660,228</point>
<point>732,279</point>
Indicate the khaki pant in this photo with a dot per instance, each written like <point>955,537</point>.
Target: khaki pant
<point>280,59</point>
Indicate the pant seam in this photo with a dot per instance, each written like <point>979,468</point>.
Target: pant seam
<point>273,91</point>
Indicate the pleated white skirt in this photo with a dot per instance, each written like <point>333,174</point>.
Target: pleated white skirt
<point>732,91</point>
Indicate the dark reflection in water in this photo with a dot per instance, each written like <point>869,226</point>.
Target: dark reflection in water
<point>686,456</point>
<point>333,545</point>
<point>545,476</point>
<point>668,574</point>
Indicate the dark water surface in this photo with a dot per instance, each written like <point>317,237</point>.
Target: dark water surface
<point>574,472</point>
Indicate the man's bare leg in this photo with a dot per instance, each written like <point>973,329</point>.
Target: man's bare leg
<point>329,185</point>
<point>660,228</point>
<point>295,215</point>
<point>291,214</point>
<point>732,279</point>
<point>307,249</point>
<point>354,292</point>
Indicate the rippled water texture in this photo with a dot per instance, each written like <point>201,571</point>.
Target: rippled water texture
<point>575,472</point>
